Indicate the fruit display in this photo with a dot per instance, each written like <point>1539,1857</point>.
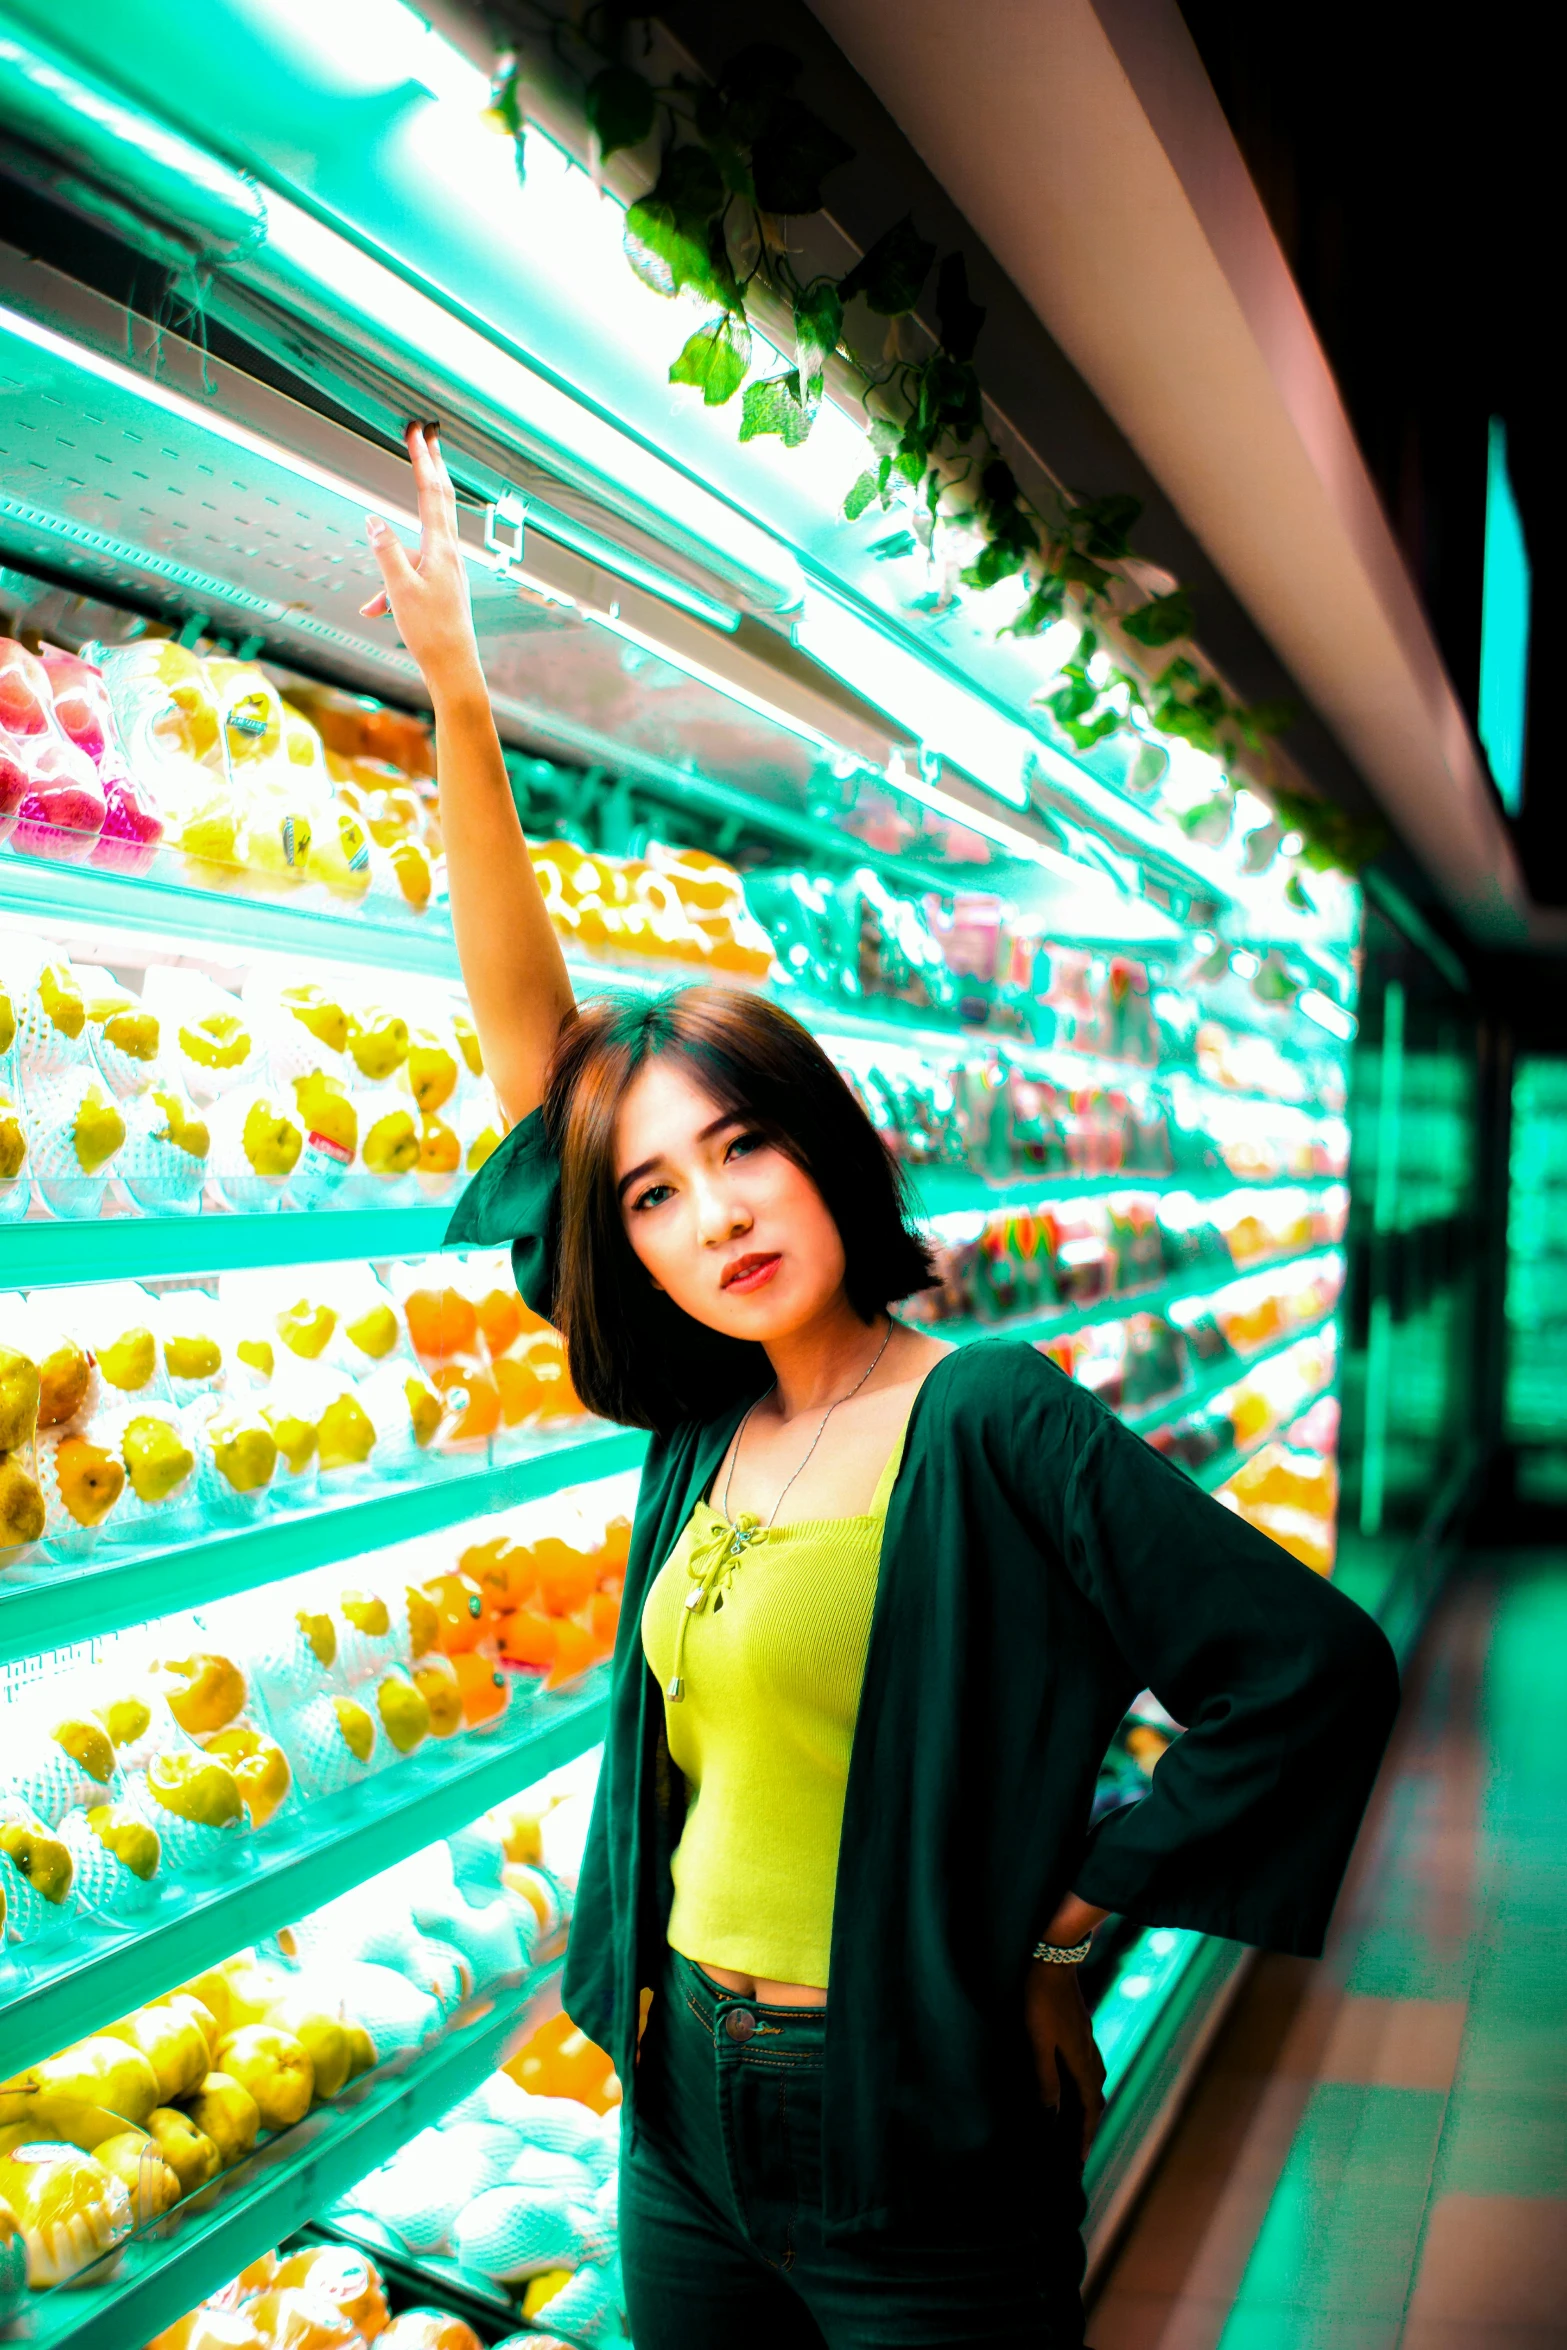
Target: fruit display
<point>166,1407</point>
<point>1254,1405</point>
<point>680,907</point>
<point>330,2295</point>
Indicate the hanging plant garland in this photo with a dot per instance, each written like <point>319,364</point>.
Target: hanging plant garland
<point>737,159</point>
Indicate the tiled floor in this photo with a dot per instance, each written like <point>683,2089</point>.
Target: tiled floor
<point>1376,2155</point>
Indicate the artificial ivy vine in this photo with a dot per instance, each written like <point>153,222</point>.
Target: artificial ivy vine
<point>740,159</point>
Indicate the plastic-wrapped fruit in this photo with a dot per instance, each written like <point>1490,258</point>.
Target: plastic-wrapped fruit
<point>117,1859</point>
<point>463,1618</point>
<point>157,1458</point>
<point>344,2278</point>
<point>72,1762</point>
<point>260,1769</point>
<point>332,1744</point>
<point>236,1454</point>
<point>437,1684</point>
<point>346,1434</point>
<point>15,1143</point>
<point>37,1874</point>
<point>195,1803</point>
<point>224,2111</point>
<point>164,1163</point>
<point>21,1391</point>
<point>471,1396</point>
<point>257,1140</point>
<point>431,1070</point>
<point>51,1019</point>
<point>82,1482</point>
<point>124,1039</point>
<point>78,1127</point>
<point>340,854</point>
<point>441,1321</point>
<point>294,2320</point>
<point>59,809</point>
<point>210,2329</point>
<point>371,1640</point>
<point>69,2208</point>
<point>377,1043</point>
<point>428,2329</point>
<point>274,2067</point>
<point>485,1689</point>
<point>65,1376</point>
<point>214,1049</point>
<point>205,1692</point>
<point>23,1511</point>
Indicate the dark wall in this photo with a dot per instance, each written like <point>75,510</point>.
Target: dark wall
<point>1401,155</point>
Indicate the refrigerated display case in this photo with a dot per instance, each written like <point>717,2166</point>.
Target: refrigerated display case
<point>239,1090</point>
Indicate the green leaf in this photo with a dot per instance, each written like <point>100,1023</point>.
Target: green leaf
<point>1261,719</point>
<point>1085,735</point>
<point>892,273</point>
<point>673,238</point>
<point>1085,574</point>
<point>996,561</point>
<point>621,107</point>
<point>773,405</point>
<point>947,397</point>
<point>505,104</point>
<point>1075,698</point>
<point>715,358</point>
<point>859,497</point>
<point>1162,620</point>
<point>1101,525</point>
<point>959,315</point>
<point>1298,895</point>
<point>1042,611</point>
<point>791,157</point>
<point>818,322</point>
<point>692,183</point>
<point>901,542</point>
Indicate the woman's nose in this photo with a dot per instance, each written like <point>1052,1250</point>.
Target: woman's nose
<point>719,1215</point>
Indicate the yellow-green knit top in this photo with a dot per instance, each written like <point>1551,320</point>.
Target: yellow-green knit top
<point>770,1663</point>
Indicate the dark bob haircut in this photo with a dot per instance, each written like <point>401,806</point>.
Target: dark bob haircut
<point>635,1356</point>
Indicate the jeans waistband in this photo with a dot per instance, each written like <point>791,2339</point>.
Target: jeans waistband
<point>791,2031</point>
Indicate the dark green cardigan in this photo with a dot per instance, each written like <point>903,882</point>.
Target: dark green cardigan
<point>1041,1566</point>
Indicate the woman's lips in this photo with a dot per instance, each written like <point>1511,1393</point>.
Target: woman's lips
<point>750,1273</point>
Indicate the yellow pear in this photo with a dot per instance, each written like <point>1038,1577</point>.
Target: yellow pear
<point>185,1133</point>
<point>425,1410</point>
<point>90,1479</point>
<point>195,1787</point>
<point>210,1991</point>
<point>63,1377</point>
<point>176,2050</point>
<point>321,1633</point>
<point>126,1719</point>
<point>362,2057</point>
<point>138,2163</point>
<point>88,1744</point>
<point>244,1452</point>
<point>254,1989</point>
<point>405,1717</point>
<point>189,2152</point>
<point>205,1692</point>
<point>157,1458</point>
<point>39,1857</point>
<point>305,1328</point>
<point>432,1072</point>
<point>130,1360</point>
<point>220,1041</point>
<point>423,1618</point>
<point>411,865</point>
<point>7,1023</point>
<point>271,1137</point>
<point>194,2011</point>
<point>357,1728</point>
<point>377,1044</point>
<point>367,1612</point>
<point>374,1332</point>
<point>20,1388</point>
<point>323,2037</point>
<point>126,1834</point>
<point>132,1032</point>
<point>99,1129</point>
<point>22,1511</point>
<point>260,1769</point>
<point>224,2111</point>
<point>193,1356</point>
<point>103,2072</point>
<point>257,1355</point>
<point>468,1044</point>
<point>61,999</point>
<point>346,1433</point>
<point>326,1109</point>
<point>327,1022</point>
<point>340,855</point>
<point>392,1145</point>
<point>296,1437</point>
<point>275,2068</point>
<point>13,1140</point>
<point>438,1685</point>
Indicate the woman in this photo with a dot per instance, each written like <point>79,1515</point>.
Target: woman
<point>887,1601</point>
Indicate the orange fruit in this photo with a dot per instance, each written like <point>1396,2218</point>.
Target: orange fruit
<point>211,2329</point>
<point>471,1392</point>
<point>604,1618</point>
<point>528,1638</point>
<point>429,2329</point>
<point>575,1650</point>
<point>566,1577</point>
<point>502,1570</point>
<point>560,2061</point>
<point>463,1617</point>
<point>501,1313</point>
<point>522,1394</point>
<point>336,2274</point>
<point>441,1322</point>
<point>295,2320</point>
<point>485,1690</point>
<point>616,1546</point>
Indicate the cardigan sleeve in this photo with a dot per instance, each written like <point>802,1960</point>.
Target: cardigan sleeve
<point>1287,1689</point>
<point>516,1197</point>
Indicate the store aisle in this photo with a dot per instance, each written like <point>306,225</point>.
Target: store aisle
<point>1376,2155</point>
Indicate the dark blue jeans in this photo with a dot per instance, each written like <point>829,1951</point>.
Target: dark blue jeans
<point>721,2208</point>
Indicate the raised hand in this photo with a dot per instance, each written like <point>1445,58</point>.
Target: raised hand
<point>427,593</point>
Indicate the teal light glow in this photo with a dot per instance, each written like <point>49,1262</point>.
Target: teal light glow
<point>1504,627</point>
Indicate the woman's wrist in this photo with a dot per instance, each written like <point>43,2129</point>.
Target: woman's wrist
<point>457,689</point>
<point>1073,1923</point>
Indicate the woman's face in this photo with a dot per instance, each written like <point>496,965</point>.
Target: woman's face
<point>724,1221</point>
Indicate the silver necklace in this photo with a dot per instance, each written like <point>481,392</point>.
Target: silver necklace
<point>749,1533</point>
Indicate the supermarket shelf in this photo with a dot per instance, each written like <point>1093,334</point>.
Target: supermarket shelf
<point>1212,1474</point>
<point>42,1253</point>
<point>1061,1321</point>
<point>56,1604</point>
<point>172,2265</point>
<point>325,1849</point>
<point>1215,1381</point>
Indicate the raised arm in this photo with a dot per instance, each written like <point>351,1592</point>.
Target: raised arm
<point>511,961</point>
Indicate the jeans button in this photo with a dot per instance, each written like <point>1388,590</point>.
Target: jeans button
<point>739,2023</point>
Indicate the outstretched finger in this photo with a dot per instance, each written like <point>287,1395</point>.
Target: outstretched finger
<point>392,558</point>
<point>437,500</point>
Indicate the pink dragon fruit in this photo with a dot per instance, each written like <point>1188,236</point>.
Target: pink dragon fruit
<point>60,808</point>
<point>132,827</point>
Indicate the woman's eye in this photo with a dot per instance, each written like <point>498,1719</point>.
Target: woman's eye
<point>744,1144</point>
<point>654,1196</point>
